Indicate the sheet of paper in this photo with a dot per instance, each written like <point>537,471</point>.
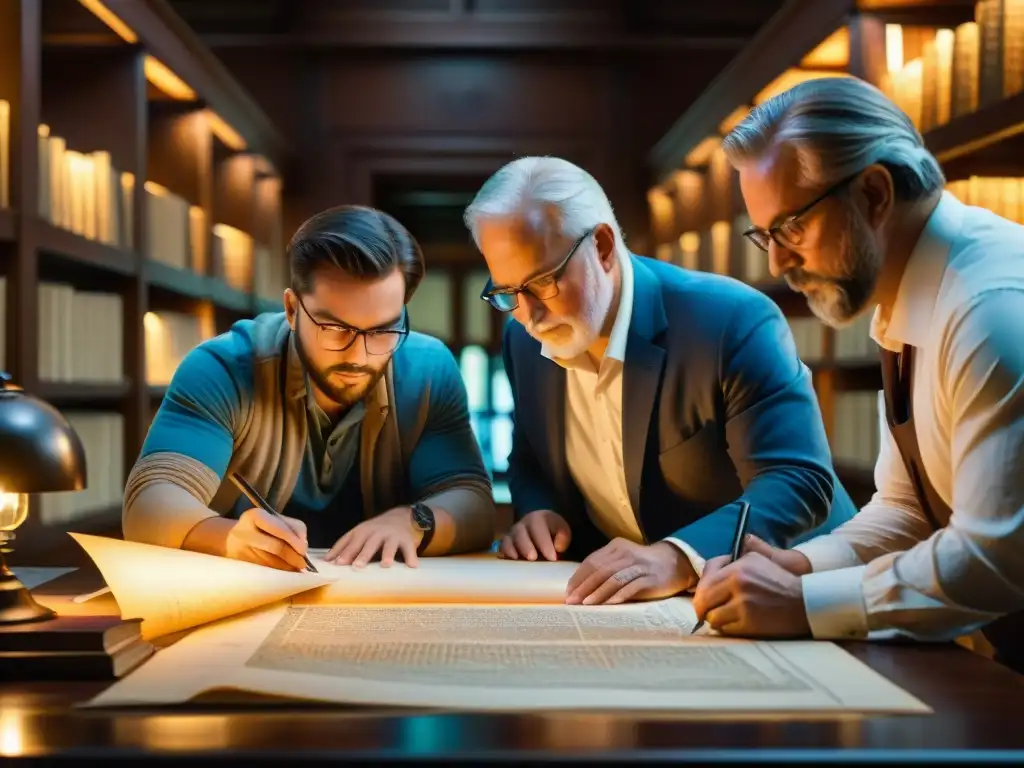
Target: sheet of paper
<point>172,589</point>
<point>32,576</point>
<point>471,579</point>
<point>505,658</point>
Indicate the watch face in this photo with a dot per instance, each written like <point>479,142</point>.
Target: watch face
<point>423,517</point>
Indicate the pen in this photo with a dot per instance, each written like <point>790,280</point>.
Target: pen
<point>737,544</point>
<point>259,501</point>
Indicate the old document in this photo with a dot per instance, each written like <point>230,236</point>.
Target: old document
<point>506,658</point>
<point>173,589</point>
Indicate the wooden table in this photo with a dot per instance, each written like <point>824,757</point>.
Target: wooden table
<point>979,717</point>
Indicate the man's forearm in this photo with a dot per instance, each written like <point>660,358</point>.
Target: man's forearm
<point>464,519</point>
<point>163,500</point>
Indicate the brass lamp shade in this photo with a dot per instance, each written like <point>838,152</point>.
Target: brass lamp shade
<point>39,453</point>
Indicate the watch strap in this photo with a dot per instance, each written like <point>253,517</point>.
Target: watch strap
<point>422,511</point>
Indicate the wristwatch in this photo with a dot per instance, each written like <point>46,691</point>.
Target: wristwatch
<point>423,520</point>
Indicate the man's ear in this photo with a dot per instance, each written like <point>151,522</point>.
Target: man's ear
<point>876,195</point>
<point>291,304</point>
<point>604,239</point>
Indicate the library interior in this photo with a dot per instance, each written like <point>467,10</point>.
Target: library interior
<point>156,156</point>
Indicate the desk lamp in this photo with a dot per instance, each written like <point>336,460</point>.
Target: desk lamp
<point>39,453</point>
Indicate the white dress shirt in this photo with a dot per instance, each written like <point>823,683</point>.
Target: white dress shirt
<point>885,572</point>
<point>593,429</point>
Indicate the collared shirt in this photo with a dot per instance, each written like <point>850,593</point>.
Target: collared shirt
<point>960,303</point>
<point>330,455</point>
<point>593,428</point>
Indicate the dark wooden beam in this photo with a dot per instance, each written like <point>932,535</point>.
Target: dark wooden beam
<point>167,37</point>
<point>467,32</point>
<point>787,37</point>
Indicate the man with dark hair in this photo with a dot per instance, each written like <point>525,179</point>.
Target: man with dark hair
<point>354,428</point>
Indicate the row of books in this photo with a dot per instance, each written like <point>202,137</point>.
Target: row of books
<point>81,335</point>
<point>83,192</point>
<point>169,337</point>
<point>855,428</point>
<point>852,343</point>
<point>712,250</point>
<point>102,436</point>
<point>961,70</point>
<point>1004,196</point>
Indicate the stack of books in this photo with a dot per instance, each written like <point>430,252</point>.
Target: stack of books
<point>72,648</point>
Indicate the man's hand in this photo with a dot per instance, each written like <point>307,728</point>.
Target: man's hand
<point>540,531</point>
<point>259,537</point>
<point>789,559</point>
<point>622,570</point>
<point>387,533</point>
<point>753,597</point>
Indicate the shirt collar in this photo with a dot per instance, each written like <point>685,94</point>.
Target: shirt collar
<point>909,319</point>
<point>616,349</point>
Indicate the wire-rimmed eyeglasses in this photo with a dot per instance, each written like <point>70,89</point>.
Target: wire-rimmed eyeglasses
<point>542,287</point>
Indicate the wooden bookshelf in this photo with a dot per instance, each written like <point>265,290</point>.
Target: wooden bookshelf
<point>102,116</point>
<point>974,137</point>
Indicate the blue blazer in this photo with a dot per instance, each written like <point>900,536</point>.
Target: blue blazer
<point>717,407</point>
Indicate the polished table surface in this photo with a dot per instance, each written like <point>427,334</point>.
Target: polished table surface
<point>978,717</point>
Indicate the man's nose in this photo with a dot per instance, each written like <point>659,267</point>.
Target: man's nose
<point>530,308</point>
<point>356,354</point>
<point>780,259</point>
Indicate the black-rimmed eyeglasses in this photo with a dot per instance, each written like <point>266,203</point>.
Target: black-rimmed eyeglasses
<point>542,287</point>
<point>338,337</point>
<point>790,232</point>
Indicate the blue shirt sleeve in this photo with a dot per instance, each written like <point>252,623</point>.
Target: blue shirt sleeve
<point>201,411</point>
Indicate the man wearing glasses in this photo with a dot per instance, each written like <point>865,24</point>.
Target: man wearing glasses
<point>649,401</point>
<point>850,208</point>
<point>353,428</point>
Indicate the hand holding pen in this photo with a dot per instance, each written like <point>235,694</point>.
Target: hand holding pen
<point>735,551</point>
<point>264,536</point>
<point>757,595</point>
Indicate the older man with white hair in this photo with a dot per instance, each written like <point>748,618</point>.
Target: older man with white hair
<point>649,400</point>
<point>849,207</point>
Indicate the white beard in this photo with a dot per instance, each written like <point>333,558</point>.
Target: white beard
<point>585,327</point>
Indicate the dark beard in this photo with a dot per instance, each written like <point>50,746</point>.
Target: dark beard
<point>345,397</point>
<point>844,296</point>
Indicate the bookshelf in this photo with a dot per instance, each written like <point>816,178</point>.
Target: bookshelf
<point>956,67</point>
<point>140,212</point>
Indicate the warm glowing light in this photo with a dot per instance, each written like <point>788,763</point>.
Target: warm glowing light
<point>721,238</point>
<point>186,732</point>
<point>156,189</point>
<point>893,47</point>
<point>104,14</point>
<point>165,80</point>
<point>689,242</point>
<point>735,118</point>
<point>12,734</point>
<point>790,78</point>
<point>701,154</point>
<point>13,510</point>
<point>228,135</point>
<point>833,51</point>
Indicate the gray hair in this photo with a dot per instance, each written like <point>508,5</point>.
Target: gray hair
<point>545,181</point>
<point>838,127</point>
